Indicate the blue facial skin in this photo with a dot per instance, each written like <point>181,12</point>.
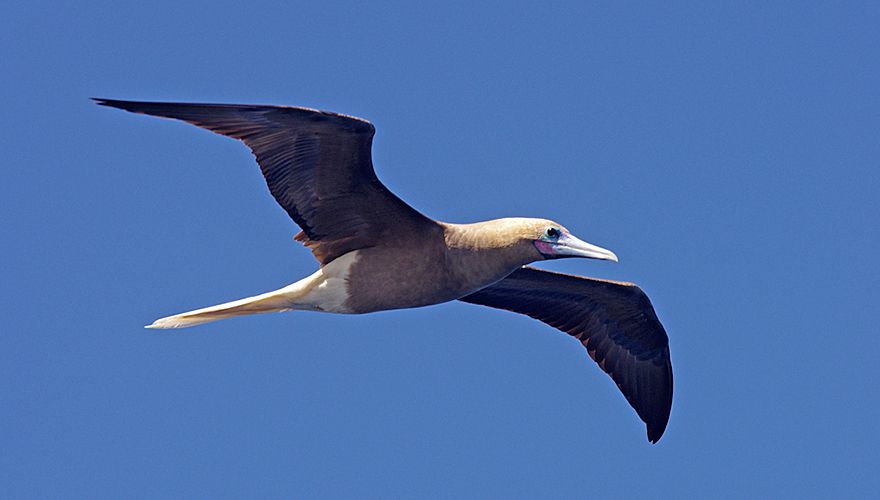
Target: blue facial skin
<point>548,240</point>
<point>551,235</point>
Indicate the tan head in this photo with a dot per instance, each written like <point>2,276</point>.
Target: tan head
<point>538,239</point>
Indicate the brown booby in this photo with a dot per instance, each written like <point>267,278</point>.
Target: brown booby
<point>378,253</point>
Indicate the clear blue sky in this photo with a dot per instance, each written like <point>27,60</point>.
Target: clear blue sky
<point>728,154</point>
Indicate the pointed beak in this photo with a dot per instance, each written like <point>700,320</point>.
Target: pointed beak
<point>569,246</point>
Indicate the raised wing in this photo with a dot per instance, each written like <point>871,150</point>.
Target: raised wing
<point>317,165</point>
<point>614,321</point>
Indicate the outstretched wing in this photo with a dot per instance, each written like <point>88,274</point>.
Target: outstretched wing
<point>614,321</point>
<point>318,167</point>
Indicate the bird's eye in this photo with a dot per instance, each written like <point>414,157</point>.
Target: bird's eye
<point>552,232</point>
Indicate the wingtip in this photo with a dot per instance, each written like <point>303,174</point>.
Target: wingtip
<point>655,433</point>
<point>113,103</point>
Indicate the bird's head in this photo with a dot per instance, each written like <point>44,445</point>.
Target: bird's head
<point>522,240</point>
<point>554,241</point>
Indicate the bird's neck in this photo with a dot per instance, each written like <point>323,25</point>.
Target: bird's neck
<point>482,253</point>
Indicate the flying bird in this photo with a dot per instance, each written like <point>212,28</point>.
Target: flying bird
<point>378,253</point>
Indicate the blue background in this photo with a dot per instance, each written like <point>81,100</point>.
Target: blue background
<point>728,154</point>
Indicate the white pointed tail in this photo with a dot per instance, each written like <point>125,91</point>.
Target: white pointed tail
<point>276,301</point>
<point>325,290</point>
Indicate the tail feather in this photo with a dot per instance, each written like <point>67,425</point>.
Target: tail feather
<point>275,301</point>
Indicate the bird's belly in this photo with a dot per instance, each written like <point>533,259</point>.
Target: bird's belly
<point>384,280</point>
<point>355,283</point>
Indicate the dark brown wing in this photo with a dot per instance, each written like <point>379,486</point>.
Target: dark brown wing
<point>318,167</point>
<point>614,321</point>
